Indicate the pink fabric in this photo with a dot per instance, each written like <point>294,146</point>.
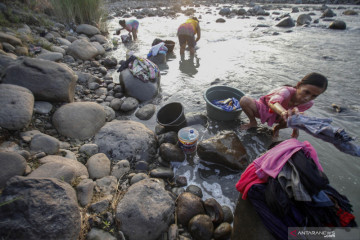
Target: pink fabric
<point>271,163</point>
<point>281,95</point>
<point>247,179</point>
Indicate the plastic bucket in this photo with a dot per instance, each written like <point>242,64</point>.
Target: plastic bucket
<point>171,116</point>
<point>185,143</point>
<point>219,93</point>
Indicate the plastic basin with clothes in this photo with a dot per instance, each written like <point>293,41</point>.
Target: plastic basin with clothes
<point>171,116</point>
<point>220,93</point>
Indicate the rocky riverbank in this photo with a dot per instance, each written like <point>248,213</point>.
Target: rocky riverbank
<point>74,165</point>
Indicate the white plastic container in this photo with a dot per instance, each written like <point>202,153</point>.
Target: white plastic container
<point>188,138</point>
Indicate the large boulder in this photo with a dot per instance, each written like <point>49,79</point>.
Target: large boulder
<point>303,19</point>
<point>85,50</point>
<point>122,139</point>
<point>38,209</point>
<point>225,149</point>
<point>134,87</point>
<point>47,80</point>
<point>87,29</point>
<point>286,23</point>
<point>338,25</point>
<point>79,120</point>
<point>12,164</point>
<point>145,211</point>
<point>17,105</point>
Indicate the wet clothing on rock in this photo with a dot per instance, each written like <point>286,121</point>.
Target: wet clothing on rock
<point>280,95</point>
<point>141,68</point>
<point>288,188</point>
<point>322,128</point>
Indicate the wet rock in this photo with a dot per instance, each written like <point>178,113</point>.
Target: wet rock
<point>146,112</point>
<point>286,23</point>
<point>228,214</point>
<point>85,191</point>
<point>122,139</point>
<point>338,24</point>
<point>110,62</point>
<point>116,104</point>
<point>350,12</point>
<point>98,166</point>
<point>177,191</point>
<point>194,118</point>
<point>188,205</point>
<point>120,169</point>
<point>138,89</point>
<point>225,149</point>
<point>201,227</point>
<point>214,210</point>
<point>129,104</point>
<point>12,164</point>
<point>47,80</point>
<point>44,143</point>
<point>79,120</point>
<point>63,172</point>
<point>148,218</point>
<point>162,172</point>
<point>17,105</point>
<point>224,11</point>
<point>223,231</point>
<point>181,181</point>
<point>303,19</point>
<point>171,153</point>
<point>220,20</point>
<point>78,167</point>
<point>195,190</point>
<point>328,13</point>
<point>337,107</point>
<point>50,210</point>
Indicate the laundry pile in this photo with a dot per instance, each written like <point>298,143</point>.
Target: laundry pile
<point>288,188</point>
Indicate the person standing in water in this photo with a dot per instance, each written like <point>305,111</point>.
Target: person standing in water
<point>186,34</point>
<point>131,26</point>
<point>282,102</point>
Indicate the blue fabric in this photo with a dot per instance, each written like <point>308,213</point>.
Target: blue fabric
<point>229,104</point>
<point>321,200</point>
<point>322,128</point>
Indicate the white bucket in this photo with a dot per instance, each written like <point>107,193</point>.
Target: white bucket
<point>187,143</point>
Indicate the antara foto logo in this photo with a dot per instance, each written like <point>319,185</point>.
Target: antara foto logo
<point>293,233</point>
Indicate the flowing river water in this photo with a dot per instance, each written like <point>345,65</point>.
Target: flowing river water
<point>255,60</point>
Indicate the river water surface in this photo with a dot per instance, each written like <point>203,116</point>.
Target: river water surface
<point>255,60</point>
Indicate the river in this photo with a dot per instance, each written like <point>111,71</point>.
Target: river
<point>255,60</point>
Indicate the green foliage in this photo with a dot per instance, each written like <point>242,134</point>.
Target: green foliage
<point>3,21</point>
<point>80,11</point>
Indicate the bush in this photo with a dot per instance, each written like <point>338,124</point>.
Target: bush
<point>80,11</point>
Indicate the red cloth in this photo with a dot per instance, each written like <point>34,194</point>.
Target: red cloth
<point>345,217</point>
<point>247,179</point>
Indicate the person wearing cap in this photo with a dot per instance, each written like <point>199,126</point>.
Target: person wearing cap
<point>186,34</point>
<point>131,26</point>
